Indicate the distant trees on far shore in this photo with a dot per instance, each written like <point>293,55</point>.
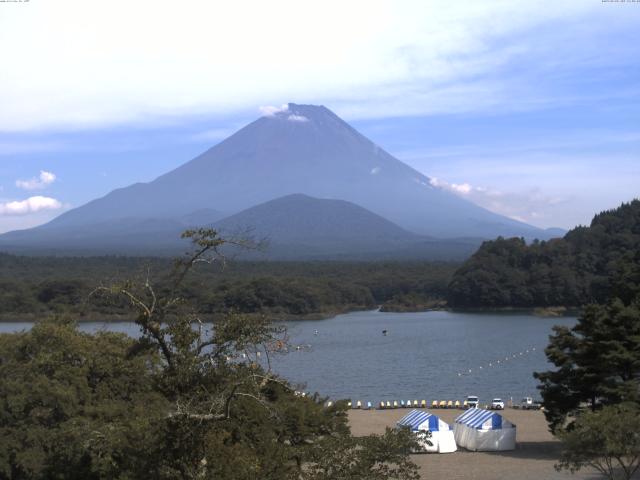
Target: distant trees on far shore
<point>33,287</point>
<point>590,264</point>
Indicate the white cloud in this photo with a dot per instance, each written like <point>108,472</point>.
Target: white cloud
<point>297,118</point>
<point>280,112</point>
<point>271,111</point>
<point>63,66</point>
<point>461,189</point>
<point>559,174</point>
<point>375,170</point>
<point>37,183</point>
<point>30,205</point>
<point>528,206</point>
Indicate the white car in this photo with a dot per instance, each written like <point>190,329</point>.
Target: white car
<point>497,404</point>
<point>528,404</point>
<point>472,401</point>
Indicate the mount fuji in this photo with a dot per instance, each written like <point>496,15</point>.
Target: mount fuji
<point>298,151</point>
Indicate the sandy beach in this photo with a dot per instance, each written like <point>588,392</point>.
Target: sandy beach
<point>536,453</point>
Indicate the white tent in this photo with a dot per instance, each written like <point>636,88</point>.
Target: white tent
<point>441,434</point>
<point>484,430</point>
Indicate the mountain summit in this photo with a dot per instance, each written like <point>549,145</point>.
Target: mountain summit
<point>296,149</point>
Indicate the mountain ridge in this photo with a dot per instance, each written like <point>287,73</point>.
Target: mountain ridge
<point>299,149</point>
<point>295,227</point>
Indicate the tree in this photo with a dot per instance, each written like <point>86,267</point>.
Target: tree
<point>589,264</point>
<point>74,405</point>
<point>371,458</point>
<point>186,400</point>
<point>607,440</point>
<point>598,362</point>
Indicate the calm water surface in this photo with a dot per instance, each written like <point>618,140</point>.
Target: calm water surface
<point>424,355</point>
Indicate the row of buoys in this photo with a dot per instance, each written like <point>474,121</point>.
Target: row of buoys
<point>392,404</point>
<point>497,363</point>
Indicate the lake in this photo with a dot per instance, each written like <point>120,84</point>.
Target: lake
<point>428,355</point>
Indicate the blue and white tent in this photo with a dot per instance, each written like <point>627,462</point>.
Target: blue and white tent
<point>441,435</point>
<point>484,430</point>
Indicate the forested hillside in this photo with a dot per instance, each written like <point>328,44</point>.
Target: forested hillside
<point>589,264</point>
<point>31,287</point>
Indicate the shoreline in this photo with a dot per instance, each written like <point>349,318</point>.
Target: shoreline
<point>546,312</point>
<point>117,318</point>
<point>553,311</point>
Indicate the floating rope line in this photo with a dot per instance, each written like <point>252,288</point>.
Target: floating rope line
<point>497,363</point>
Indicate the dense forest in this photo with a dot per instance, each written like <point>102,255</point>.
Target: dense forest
<point>31,287</point>
<point>175,403</point>
<point>590,264</point>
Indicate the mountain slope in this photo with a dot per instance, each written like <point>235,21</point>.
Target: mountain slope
<point>295,226</point>
<point>300,149</point>
<point>302,220</point>
<point>128,235</point>
<point>303,149</point>
<point>301,227</point>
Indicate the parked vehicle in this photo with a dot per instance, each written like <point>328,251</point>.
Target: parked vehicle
<point>497,404</point>
<point>527,403</point>
<point>472,401</point>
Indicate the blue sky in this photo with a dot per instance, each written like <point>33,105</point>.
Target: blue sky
<point>530,110</point>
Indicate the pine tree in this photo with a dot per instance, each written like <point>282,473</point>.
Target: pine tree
<point>598,361</point>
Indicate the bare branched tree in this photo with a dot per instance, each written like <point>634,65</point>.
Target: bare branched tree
<point>208,365</point>
<point>222,397</point>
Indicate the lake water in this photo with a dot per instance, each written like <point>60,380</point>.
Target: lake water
<point>427,355</point>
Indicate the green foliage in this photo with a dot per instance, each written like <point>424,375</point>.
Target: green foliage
<point>598,361</point>
<point>367,458</point>
<point>183,401</point>
<point>587,265</point>
<point>607,440</point>
<point>33,287</point>
<point>73,405</point>
<point>60,291</point>
<point>412,302</point>
<point>288,296</point>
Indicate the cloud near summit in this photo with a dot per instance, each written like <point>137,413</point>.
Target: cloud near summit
<point>271,111</point>
<point>282,112</point>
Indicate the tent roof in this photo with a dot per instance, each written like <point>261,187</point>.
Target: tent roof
<point>483,419</point>
<point>415,418</point>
